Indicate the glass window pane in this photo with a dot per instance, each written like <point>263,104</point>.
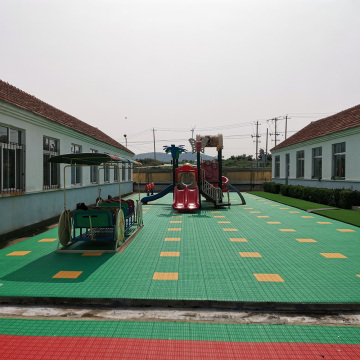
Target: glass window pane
<point>54,175</point>
<point>45,143</point>
<point>46,170</point>
<point>14,136</point>
<point>52,145</point>
<point>4,134</point>
<point>9,168</point>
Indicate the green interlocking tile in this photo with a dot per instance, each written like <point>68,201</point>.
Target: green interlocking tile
<point>209,265</point>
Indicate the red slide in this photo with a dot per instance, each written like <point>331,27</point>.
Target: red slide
<point>186,199</point>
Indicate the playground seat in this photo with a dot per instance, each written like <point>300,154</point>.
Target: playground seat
<point>97,224</point>
<point>92,218</point>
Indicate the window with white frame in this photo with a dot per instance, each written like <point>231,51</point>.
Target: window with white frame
<point>123,173</point>
<point>12,160</point>
<point>317,163</point>
<point>287,165</point>
<point>300,162</point>
<point>106,173</point>
<point>116,172</point>
<point>93,171</point>
<point>277,166</point>
<point>51,171</point>
<point>339,154</point>
<point>75,171</point>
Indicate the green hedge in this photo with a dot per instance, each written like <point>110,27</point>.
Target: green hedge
<point>334,197</point>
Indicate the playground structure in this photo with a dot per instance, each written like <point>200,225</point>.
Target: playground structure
<point>111,221</point>
<point>206,179</point>
<point>186,192</point>
<point>211,183</point>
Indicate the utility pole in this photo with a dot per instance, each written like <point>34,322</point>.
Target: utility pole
<point>192,132</point>
<point>266,150</point>
<point>125,136</point>
<point>154,143</point>
<point>257,143</point>
<point>286,119</point>
<point>276,133</point>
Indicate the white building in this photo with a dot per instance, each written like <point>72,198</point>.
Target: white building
<point>31,131</point>
<point>324,154</point>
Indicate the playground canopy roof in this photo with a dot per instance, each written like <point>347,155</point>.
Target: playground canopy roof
<point>89,159</point>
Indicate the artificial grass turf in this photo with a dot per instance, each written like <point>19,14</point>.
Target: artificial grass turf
<point>347,216</point>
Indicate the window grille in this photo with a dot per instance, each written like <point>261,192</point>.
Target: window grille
<point>12,160</point>
<point>51,172</point>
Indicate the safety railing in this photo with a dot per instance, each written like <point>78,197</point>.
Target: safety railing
<point>213,192</point>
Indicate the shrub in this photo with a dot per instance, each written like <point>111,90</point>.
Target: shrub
<point>346,199</point>
<point>334,198</point>
<point>284,190</point>
<point>271,187</point>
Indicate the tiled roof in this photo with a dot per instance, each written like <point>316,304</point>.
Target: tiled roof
<point>343,120</point>
<point>21,99</point>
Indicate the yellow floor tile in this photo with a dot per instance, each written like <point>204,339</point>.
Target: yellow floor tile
<point>249,254</point>
<point>275,205</point>
<point>177,216</point>
<point>47,240</point>
<point>333,255</point>
<point>294,212</point>
<point>224,222</point>
<point>238,240</point>
<point>254,212</point>
<point>173,239</point>
<point>274,222</point>
<point>175,222</point>
<point>345,230</point>
<point>219,216</point>
<point>18,253</point>
<point>92,254</point>
<point>230,229</point>
<point>170,253</point>
<point>263,216</point>
<point>248,208</point>
<point>307,217</point>
<point>284,208</point>
<point>67,275</point>
<point>165,276</point>
<point>216,212</point>
<point>289,230</point>
<point>324,222</point>
<point>358,275</point>
<point>174,229</point>
<point>269,277</point>
<point>306,240</point>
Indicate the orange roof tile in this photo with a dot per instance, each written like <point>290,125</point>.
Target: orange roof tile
<point>21,99</point>
<point>343,120</point>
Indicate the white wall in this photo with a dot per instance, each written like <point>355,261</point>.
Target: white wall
<point>37,204</point>
<point>352,163</point>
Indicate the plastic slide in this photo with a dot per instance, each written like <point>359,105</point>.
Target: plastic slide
<point>159,195</point>
<point>186,199</point>
<point>233,188</point>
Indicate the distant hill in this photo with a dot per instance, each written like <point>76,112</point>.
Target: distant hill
<point>161,156</point>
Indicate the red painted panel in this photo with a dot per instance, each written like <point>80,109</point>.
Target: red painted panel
<point>88,348</point>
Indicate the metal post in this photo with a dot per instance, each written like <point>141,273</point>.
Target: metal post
<point>199,174</point>
<point>220,171</point>
<point>154,143</point>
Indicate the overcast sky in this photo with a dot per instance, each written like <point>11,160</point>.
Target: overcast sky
<point>217,65</point>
